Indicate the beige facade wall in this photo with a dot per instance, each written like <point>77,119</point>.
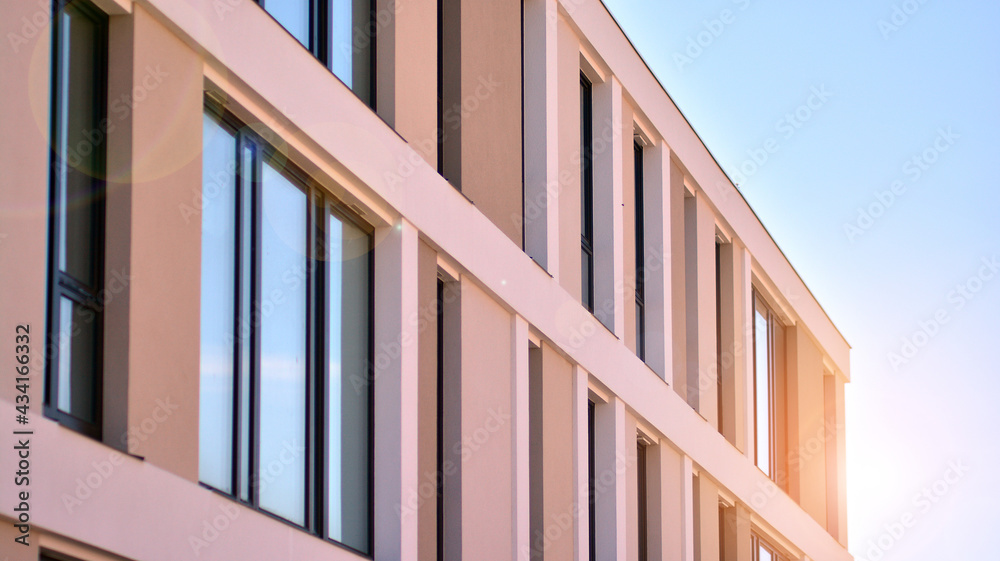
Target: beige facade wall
<point>515,420</point>
<point>406,55</point>
<point>806,425</point>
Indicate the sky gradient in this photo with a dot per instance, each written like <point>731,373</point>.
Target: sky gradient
<point>879,121</point>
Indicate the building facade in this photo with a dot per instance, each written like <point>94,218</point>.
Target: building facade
<point>394,279</point>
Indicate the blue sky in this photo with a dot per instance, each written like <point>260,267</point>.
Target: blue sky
<point>899,251</point>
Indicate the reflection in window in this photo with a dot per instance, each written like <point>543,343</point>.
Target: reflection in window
<point>293,15</point>
<point>76,227</point>
<point>340,33</point>
<point>348,443</point>
<point>282,347</point>
<point>586,193</point>
<point>218,274</point>
<point>640,255</point>
<point>763,334</point>
<point>291,384</point>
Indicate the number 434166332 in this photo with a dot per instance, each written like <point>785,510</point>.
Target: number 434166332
<point>22,357</point>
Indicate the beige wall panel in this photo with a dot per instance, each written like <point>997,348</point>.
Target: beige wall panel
<point>490,106</point>
<point>164,323</point>
<point>486,447</point>
<point>569,160</point>
<point>427,402</point>
<point>407,70</point>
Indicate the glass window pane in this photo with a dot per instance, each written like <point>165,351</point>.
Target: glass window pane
<point>640,331</point>
<point>218,295</point>
<point>348,438</point>
<point>763,554</point>
<point>587,270</point>
<point>762,364</point>
<point>282,312</point>
<point>77,369</point>
<point>293,15</point>
<point>248,180</point>
<point>351,43</point>
<point>78,140</point>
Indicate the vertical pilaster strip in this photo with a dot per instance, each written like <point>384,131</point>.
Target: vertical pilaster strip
<point>609,268</point>
<point>744,286</point>
<point>708,519</point>
<point>581,397</point>
<point>520,467</point>
<point>396,389</point>
<point>611,467</point>
<point>659,280</point>
<point>541,134</point>
<point>687,504</point>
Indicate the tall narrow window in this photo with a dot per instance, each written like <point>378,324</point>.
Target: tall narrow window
<point>640,257</point>
<point>440,422</point>
<point>720,394</point>
<point>722,532</point>
<point>349,403</point>
<point>76,221</point>
<point>285,404</point>
<point>763,336</point>
<point>340,33</point>
<point>592,483</point>
<point>642,502</point>
<point>587,192</point>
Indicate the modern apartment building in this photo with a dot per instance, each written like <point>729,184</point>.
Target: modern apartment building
<point>394,279</point>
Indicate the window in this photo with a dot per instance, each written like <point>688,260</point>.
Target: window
<point>640,258</point>
<point>286,403</point>
<point>763,344</point>
<point>592,486</point>
<point>440,451</point>
<point>763,551</point>
<point>642,502</point>
<point>76,221</point>
<point>722,531</point>
<point>337,32</point>
<point>587,191</point>
<point>723,415</point>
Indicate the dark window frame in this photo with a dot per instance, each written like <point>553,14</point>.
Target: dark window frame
<point>61,284</point>
<point>592,480</point>
<point>640,254</point>
<point>642,498</point>
<point>321,46</point>
<point>587,189</point>
<point>439,421</point>
<point>319,206</point>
